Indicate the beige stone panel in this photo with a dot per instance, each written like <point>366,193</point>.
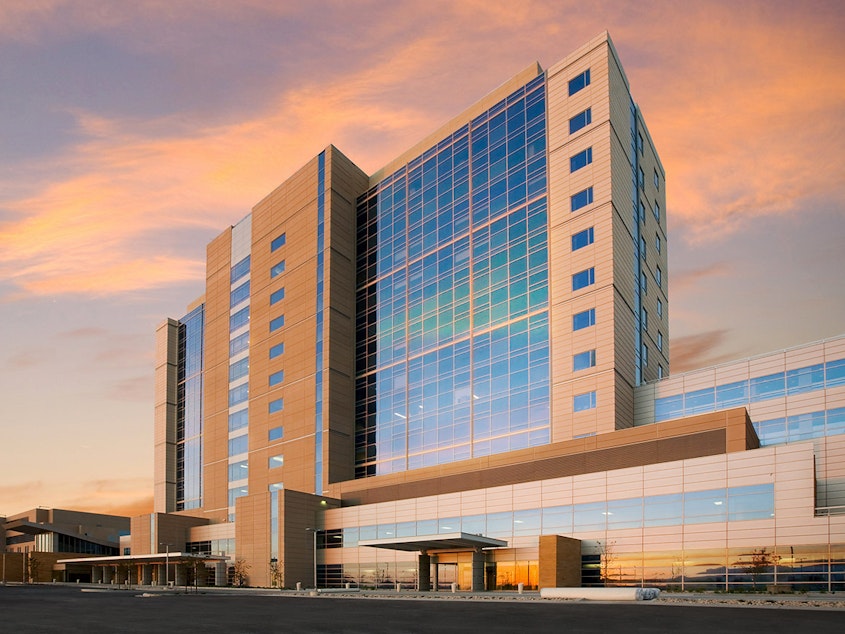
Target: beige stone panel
<point>705,473</point>
<point>834,348</point>
<point>625,483</point>
<point>448,506</point>
<point>499,499</point>
<point>765,410</point>
<point>806,403</point>
<point>703,536</point>
<point>589,487</point>
<point>663,479</point>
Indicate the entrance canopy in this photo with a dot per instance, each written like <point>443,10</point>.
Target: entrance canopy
<point>426,543</point>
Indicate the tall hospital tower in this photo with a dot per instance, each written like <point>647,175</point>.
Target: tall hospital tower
<point>452,370</point>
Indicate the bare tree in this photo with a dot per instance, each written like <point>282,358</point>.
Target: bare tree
<point>608,560</point>
<point>33,566</point>
<point>277,573</point>
<point>241,572</point>
<point>759,562</point>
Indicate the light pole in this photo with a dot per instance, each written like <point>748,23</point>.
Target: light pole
<point>314,531</point>
<point>166,563</point>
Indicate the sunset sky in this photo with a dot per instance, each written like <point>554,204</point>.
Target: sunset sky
<point>132,133</point>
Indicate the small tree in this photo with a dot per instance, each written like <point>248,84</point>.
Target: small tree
<point>277,574</point>
<point>33,566</point>
<point>608,559</point>
<point>240,575</point>
<point>759,562</point>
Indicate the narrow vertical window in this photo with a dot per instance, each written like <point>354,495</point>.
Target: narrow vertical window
<point>277,243</point>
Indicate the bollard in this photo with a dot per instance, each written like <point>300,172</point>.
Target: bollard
<point>348,585</point>
<point>519,587</point>
<point>398,587</point>
<point>299,585</point>
<point>454,587</point>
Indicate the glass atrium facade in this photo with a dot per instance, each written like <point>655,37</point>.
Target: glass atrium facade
<point>452,357</point>
<point>189,419</point>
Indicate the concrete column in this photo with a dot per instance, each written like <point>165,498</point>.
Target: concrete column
<point>477,570</point>
<point>108,574</point>
<point>424,572</point>
<point>436,580</point>
<point>220,574</point>
<point>147,574</point>
<point>96,574</point>
<point>180,574</point>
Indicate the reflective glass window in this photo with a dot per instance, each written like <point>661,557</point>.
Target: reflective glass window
<point>751,502</point>
<point>239,294</point>
<point>275,433</point>
<point>277,323</point>
<point>273,462</point>
<point>584,360</point>
<point>658,276</point>
<point>580,120</point>
<point>557,519</point>
<point>238,470</point>
<point>624,513</point>
<point>582,239</point>
<point>581,402</point>
<point>582,159</point>
<point>500,524</point>
<point>276,406</point>
<point>239,344</point>
<point>835,423</point>
<point>766,387</point>
<point>805,426</point>
<point>663,510</point>
<point>583,279</point>
<point>527,522</point>
<point>277,350</point>
<point>590,517</point>
<point>699,401</point>
<point>581,199</point>
<point>705,506</point>
<point>584,319</point>
<point>239,319</point>
<point>805,379</point>
<point>238,394</point>
<point>732,394</point>
<point>277,296</point>
<point>238,420</point>
<point>277,242</point>
<point>277,377</point>
<point>239,270</point>
<point>236,493</point>
<point>579,82</point>
<point>277,269</point>
<point>238,445</point>
<point>668,407</point>
<point>239,369</point>
<point>834,373</point>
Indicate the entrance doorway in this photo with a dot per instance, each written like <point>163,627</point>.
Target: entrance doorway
<point>447,574</point>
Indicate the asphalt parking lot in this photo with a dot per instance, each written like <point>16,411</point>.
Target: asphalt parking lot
<point>72,609</point>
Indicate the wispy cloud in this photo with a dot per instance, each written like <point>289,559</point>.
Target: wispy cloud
<point>699,351</point>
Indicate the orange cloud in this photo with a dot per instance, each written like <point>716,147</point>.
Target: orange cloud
<point>699,351</point>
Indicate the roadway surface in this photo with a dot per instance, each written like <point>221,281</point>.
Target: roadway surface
<point>70,609</point>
